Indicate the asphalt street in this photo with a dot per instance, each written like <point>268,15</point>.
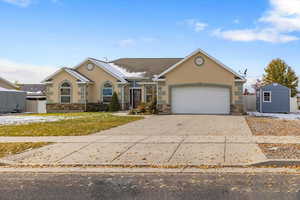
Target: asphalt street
<point>190,186</point>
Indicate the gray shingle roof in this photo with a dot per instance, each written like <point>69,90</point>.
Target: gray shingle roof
<point>152,66</point>
<point>32,87</point>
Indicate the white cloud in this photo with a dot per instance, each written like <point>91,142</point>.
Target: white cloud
<point>236,21</point>
<point>277,25</point>
<point>25,3</point>
<point>126,43</point>
<point>196,25</point>
<point>284,15</point>
<point>248,35</point>
<point>22,3</point>
<point>24,73</point>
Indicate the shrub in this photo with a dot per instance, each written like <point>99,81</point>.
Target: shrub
<point>145,108</point>
<point>114,106</point>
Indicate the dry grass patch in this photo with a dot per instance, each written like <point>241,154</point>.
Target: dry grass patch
<point>80,124</point>
<point>261,126</point>
<point>7,149</point>
<point>281,151</point>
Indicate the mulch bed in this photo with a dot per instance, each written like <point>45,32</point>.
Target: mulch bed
<point>281,151</point>
<point>262,126</point>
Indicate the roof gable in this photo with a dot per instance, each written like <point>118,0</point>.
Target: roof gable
<point>104,66</point>
<point>206,54</point>
<point>79,77</point>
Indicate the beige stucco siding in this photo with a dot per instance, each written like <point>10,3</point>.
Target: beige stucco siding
<point>3,84</point>
<point>53,89</point>
<point>99,77</point>
<point>189,73</point>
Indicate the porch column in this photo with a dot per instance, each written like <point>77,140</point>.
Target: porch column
<point>122,97</point>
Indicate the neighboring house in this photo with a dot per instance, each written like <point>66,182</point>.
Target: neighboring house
<point>36,97</point>
<point>34,91</point>
<point>196,84</point>
<point>7,84</point>
<point>273,98</point>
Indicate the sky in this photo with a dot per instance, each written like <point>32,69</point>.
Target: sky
<point>39,36</point>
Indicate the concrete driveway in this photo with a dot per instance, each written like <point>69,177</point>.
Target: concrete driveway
<point>173,125</point>
<point>173,140</point>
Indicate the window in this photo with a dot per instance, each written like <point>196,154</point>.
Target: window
<point>107,92</point>
<point>267,96</point>
<point>149,93</point>
<point>65,93</point>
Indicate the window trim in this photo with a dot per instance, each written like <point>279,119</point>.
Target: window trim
<point>60,95</point>
<point>270,100</point>
<point>103,88</point>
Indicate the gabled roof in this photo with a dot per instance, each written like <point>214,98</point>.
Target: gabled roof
<point>9,83</point>
<point>79,77</point>
<point>106,67</point>
<point>32,87</point>
<point>206,54</point>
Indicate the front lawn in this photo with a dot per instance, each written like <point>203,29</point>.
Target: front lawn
<point>261,126</point>
<point>7,149</point>
<point>73,125</point>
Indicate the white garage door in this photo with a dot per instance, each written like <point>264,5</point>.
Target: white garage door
<point>200,100</point>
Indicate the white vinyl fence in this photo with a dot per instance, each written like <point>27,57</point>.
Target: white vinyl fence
<point>249,102</point>
<point>294,104</point>
<point>36,106</point>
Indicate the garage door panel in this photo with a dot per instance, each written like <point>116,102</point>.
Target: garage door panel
<point>200,100</point>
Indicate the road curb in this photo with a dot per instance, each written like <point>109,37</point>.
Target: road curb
<point>278,163</point>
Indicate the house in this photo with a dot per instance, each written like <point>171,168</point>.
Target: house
<point>273,98</point>
<point>196,84</point>
<point>35,97</point>
<point>7,84</point>
<point>11,99</point>
<point>34,91</point>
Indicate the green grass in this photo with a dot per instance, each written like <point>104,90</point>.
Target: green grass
<point>7,149</point>
<point>81,124</point>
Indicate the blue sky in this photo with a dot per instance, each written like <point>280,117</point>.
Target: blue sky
<point>38,36</point>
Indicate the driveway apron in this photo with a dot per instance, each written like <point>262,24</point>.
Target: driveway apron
<point>170,140</point>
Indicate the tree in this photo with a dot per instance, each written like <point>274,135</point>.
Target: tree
<point>114,104</point>
<point>279,72</point>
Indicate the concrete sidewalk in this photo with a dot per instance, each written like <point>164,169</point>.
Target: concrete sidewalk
<point>144,151</point>
<point>161,139</point>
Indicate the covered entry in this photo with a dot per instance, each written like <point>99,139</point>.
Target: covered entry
<point>200,100</point>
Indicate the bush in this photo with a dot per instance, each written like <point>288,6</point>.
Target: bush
<point>145,108</point>
<point>114,106</point>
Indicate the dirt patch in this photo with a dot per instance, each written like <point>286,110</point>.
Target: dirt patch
<point>281,151</point>
<point>261,126</point>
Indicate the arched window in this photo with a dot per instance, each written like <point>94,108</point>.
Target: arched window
<point>107,92</point>
<point>65,92</point>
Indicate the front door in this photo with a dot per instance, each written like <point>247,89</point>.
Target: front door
<point>135,97</point>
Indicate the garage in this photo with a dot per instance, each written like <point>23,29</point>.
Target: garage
<point>200,100</point>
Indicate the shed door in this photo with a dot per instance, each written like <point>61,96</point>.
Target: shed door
<point>200,100</point>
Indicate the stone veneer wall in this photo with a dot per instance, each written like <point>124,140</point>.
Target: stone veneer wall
<point>162,106</point>
<point>76,107</point>
<point>238,106</point>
